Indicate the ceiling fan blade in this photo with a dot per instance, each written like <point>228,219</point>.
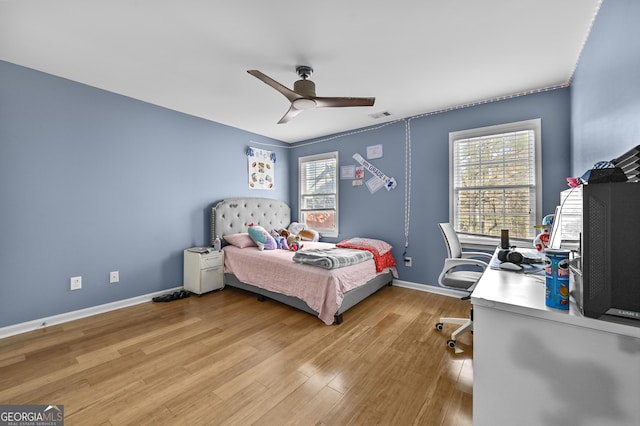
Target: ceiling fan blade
<point>343,102</point>
<point>288,93</point>
<point>293,111</point>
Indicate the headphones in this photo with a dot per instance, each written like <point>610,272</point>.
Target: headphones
<point>514,257</point>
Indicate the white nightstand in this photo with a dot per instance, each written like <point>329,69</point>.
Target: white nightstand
<point>203,271</point>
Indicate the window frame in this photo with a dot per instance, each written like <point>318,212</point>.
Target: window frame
<point>325,232</point>
<point>483,240</point>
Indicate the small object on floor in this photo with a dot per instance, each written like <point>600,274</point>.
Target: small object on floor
<point>172,296</point>
<point>163,298</point>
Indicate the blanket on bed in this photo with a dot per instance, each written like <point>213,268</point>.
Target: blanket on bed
<point>331,258</point>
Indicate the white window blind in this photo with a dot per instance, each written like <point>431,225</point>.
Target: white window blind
<point>495,179</point>
<point>318,198</point>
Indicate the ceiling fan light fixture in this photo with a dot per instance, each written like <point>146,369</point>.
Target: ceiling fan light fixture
<point>303,96</point>
<point>304,103</point>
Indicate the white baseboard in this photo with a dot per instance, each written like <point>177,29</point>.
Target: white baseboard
<point>24,327</point>
<point>430,288</point>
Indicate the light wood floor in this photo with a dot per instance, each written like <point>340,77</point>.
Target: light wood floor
<point>225,358</point>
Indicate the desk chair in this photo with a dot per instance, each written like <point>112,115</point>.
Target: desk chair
<point>457,278</point>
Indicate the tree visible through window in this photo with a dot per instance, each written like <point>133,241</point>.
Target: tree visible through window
<point>319,193</point>
<point>495,179</point>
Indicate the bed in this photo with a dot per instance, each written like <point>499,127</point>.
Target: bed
<point>325,293</point>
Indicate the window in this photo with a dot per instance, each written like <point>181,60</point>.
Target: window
<point>495,179</point>
<point>319,193</point>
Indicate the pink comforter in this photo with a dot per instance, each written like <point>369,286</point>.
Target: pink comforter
<point>275,270</point>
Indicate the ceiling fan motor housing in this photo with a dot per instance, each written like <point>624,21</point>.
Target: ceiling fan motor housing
<point>306,88</point>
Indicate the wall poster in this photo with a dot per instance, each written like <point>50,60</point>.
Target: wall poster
<point>261,168</point>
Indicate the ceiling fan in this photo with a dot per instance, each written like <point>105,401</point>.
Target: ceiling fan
<point>303,96</point>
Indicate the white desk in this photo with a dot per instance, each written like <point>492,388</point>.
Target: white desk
<point>535,365</point>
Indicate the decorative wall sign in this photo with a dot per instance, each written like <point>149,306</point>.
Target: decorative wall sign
<point>347,172</point>
<point>374,151</point>
<point>261,168</point>
<point>389,183</point>
<point>374,184</point>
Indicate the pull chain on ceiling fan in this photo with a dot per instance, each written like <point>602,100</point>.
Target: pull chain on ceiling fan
<point>303,96</point>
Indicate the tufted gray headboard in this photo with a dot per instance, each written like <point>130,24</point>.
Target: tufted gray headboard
<point>233,215</point>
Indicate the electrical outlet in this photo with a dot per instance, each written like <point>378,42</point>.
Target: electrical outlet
<point>114,277</point>
<point>76,283</point>
<point>407,261</point>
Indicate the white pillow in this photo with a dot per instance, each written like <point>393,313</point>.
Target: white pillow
<point>295,228</point>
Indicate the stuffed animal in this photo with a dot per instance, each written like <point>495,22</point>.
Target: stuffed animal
<point>276,237</point>
<point>309,235</point>
<point>281,241</point>
<point>283,232</point>
<point>261,237</point>
<point>291,239</point>
<point>295,246</point>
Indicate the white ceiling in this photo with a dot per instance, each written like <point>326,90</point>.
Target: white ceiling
<point>414,56</point>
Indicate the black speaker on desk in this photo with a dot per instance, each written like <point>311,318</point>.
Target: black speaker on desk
<point>611,250</point>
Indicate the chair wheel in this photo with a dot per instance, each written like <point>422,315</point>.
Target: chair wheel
<point>451,343</point>
<point>439,326</point>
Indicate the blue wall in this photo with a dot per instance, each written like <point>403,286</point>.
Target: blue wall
<point>605,94</point>
<point>381,215</point>
<point>93,182</point>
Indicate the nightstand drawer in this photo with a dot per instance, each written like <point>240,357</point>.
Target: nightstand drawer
<point>211,260</point>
